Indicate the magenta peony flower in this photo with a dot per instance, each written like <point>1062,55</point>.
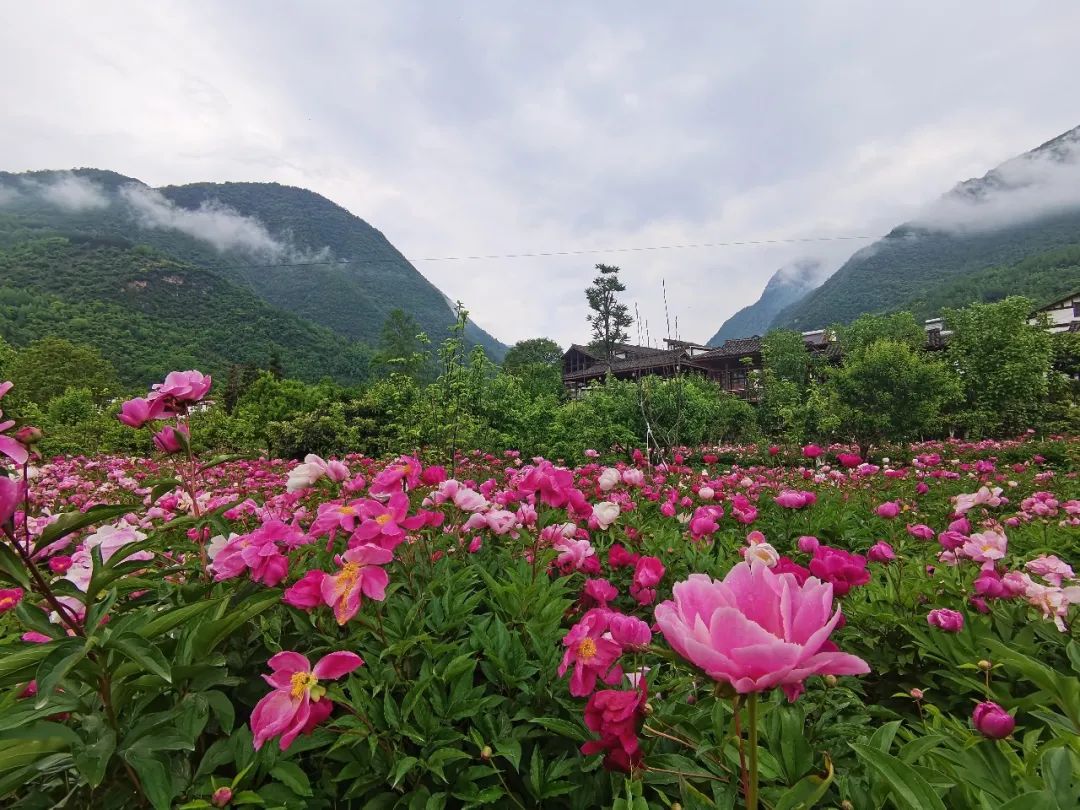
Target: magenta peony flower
<point>616,716</point>
<point>944,619</point>
<point>648,571</point>
<point>794,499</point>
<point>592,655</point>
<point>992,721</point>
<point>920,531</point>
<point>786,565</point>
<point>297,703</point>
<point>808,544</point>
<point>881,552</point>
<point>306,594</point>
<point>812,451</point>
<point>10,598</point>
<point>11,495</point>
<point>170,440</point>
<point>756,629</point>
<point>888,510</point>
<point>628,631</point>
<point>842,569</point>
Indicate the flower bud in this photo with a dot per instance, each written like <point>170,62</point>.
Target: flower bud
<point>985,665</point>
<point>830,680</point>
<point>486,753</point>
<point>846,805</point>
<point>222,796</point>
<point>992,721</point>
<point>916,694</point>
<point>28,436</point>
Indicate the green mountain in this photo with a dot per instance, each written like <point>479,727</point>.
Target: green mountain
<point>148,313</point>
<point>974,243</point>
<point>786,286</point>
<point>293,249</point>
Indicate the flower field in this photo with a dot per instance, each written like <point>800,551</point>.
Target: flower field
<point>774,627</point>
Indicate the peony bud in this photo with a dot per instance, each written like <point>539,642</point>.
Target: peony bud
<point>222,796</point>
<point>985,665</point>
<point>916,694</point>
<point>992,721</point>
<point>486,753</point>
<point>830,680</point>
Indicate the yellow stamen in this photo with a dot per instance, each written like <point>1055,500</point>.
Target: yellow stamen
<point>301,682</point>
<point>346,510</point>
<point>382,520</point>
<point>586,649</point>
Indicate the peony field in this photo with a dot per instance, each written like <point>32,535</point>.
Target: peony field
<point>758,626</point>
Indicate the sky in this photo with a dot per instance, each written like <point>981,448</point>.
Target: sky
<point>460,129</point>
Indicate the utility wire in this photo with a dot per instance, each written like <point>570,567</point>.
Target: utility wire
<point>541,254</point>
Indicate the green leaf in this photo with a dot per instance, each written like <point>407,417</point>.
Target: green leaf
<point>883,737</point>
<point>1057,773</point>
<point>563,727</point>
<point>222,708</point>
<point>907,788</point>
<point>291,775</point>
<point>212,633</point>
<point>92,759</point>
<point>59,662</point>
<point>73,521</point>
<point>808,791</point>
<point>509,749</point>
<point>164,622</point>
<point>404,765</point>
<point>154,778</point>
<point>1036,800</point>
<point>11,565</point>
<point>143,653</point>
<point>15,663</point>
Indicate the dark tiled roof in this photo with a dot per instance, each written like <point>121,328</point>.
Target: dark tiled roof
<point>656,360</point>
<point>585,350</point>
<point>736,347</point>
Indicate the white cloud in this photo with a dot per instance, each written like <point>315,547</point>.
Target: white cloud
<point>68,192</point>
<point>211,222</point>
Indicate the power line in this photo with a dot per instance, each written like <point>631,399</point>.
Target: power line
<point>546,253</point>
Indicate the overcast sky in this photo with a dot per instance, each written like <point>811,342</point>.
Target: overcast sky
<point>490,127</point>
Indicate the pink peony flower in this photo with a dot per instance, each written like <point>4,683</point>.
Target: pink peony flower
<point>944,619</point>
<point>360,574</point>
<point>11,495</point>
<point>881,552</point>
<point>808,544</point>
<point>756,629</point>
<point>171,440</point>
<point>812,451</point>
<point>648,571</point>
<point>888,510</point>
<point>992,721</point>
<point>182,387</point>
<point>138,411</point>
<point>628,631</point>
<point>297,703</point>
<point>795,499</point>
<point>920,531</point>
<point>842,569</point>
<point>306,594</point>
<point>592,655</point>
<point>986,547</point>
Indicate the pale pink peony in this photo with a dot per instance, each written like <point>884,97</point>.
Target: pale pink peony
<point>756,629</point>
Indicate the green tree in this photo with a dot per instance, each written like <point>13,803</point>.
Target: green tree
<point>536,351</point>
<point>1004,365</point>
<point>866,330</point>
<point>537,364</point>
<point>403,347</point>
<point>891,392</point>
<point>48,367</point>
<point>784,378</point>
<point>609,319</point>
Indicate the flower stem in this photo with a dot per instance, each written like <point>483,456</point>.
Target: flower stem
<point>752,744</point>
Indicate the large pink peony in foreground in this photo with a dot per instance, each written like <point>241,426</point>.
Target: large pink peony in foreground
<point>756,629</point>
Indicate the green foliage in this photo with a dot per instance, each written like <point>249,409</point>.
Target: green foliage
<point>47,367</point>
<point>866,330</point>
<point>147,314</point>
<point>403,347</point>
<point>1003,364</point>
<point>890,391</point>
<point>536,351</point>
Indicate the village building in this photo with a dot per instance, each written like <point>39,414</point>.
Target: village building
<point>1062,313</point>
